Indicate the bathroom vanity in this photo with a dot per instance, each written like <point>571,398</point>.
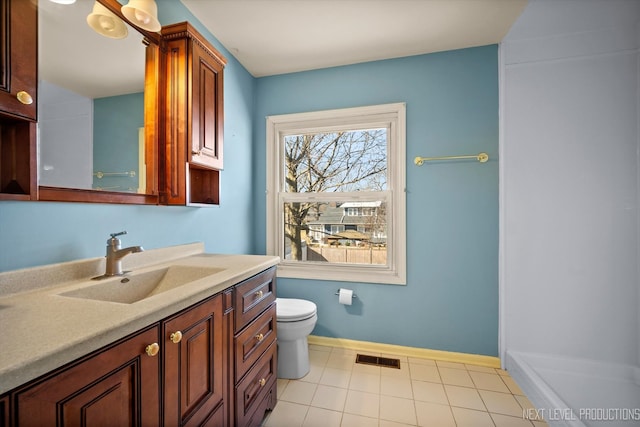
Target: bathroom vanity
<point>196,347</point>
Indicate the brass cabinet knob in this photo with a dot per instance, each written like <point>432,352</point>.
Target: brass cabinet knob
<point>259,294</point>
<point>176,337</point>
<point>24,97</point>
<point>262,382</point>
<point>259,337</point>
<point>152,349</point>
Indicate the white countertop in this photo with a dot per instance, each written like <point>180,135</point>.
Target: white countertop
<point>42,330</point>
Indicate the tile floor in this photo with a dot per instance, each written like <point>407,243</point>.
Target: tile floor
<point>423,392</point>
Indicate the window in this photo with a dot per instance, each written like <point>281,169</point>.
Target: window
<point>335,194</point>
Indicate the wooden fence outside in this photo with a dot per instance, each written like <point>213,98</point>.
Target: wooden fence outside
<point>347,254</point>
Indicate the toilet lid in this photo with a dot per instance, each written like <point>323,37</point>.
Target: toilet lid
<point>291,309</point>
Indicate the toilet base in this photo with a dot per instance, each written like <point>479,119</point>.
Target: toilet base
<point>293,358</point>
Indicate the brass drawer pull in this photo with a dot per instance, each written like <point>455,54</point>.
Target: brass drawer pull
<point>259,337</point>
<point>259,294</point>
<point>152,349</point>
<point>24,97</point>
<point>176,337</point>
<point>262,382</point>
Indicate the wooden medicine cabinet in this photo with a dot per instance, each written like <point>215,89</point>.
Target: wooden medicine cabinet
<point>194,118</point>
<point>183,116</point>
<point>18,100</point>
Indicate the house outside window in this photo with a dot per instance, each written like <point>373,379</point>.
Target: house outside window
<point>335,194</point>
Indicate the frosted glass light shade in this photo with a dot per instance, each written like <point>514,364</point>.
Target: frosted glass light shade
<point>143,14</point>
<point>106,23</point>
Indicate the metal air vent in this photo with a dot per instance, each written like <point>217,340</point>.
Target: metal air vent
<point>385,362</point>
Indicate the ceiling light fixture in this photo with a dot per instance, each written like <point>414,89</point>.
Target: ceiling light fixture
<point>106,23</point>
<point>63,1</point>
<point>143,14</point>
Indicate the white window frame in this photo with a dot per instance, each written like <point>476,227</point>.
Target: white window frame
<point>392,116</point>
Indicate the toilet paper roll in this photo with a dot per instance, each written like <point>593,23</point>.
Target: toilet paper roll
<point>345,296</point>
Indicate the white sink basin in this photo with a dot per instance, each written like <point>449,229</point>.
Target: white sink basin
<point>134,287</point>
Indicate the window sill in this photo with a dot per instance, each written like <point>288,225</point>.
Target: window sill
<point>341,273</point>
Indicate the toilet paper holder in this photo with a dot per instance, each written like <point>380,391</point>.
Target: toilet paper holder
<point>352,296</point>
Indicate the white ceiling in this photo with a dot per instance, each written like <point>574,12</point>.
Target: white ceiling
<point>281,36</point>
<point>272,36</point>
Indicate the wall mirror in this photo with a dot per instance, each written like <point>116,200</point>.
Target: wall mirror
<point>97,106</point>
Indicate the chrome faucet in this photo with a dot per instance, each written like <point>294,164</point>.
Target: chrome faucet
<point>115,254</point>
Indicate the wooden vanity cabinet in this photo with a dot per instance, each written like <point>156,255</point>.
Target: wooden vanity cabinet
<point>18,99</point>
<point>124,385</point>
<point>119,385</point>
<point>255,348</point>
<point>192,147</point>
<point>212,364</point>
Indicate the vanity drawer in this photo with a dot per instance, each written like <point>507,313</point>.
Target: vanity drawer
<point>268,403</point>
<point>254,340</point>
<point>253,296</point>
<point>256,386</point>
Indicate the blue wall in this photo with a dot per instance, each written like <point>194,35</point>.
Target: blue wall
<point>451,298</point>
<point>37,233</point>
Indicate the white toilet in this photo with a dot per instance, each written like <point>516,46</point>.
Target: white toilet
<point>295,320</point>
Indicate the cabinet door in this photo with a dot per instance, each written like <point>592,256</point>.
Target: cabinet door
<point>191,153</point>
<point>4,411</point>
<point>18,57</point>
<point>18,84</point>
<point>193,364</point>
<point>118,386</point>
<point>208,119</point>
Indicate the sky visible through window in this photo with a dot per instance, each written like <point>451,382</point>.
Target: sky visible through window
<point>353,160</point>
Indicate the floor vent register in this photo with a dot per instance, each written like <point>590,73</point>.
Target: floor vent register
<point>385,362</point>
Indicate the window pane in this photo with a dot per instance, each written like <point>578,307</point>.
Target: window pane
<point>336,161</point>
<point>336,232</point>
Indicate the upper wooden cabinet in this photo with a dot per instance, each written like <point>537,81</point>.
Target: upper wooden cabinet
<point>193,112</point>
<point>18,61</point>
<point>18,99</point>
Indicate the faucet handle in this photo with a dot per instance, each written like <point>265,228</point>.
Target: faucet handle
<point>114,242</point>
<point>114,235</point>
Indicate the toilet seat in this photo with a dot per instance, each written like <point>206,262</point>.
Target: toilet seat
<point>294,310</point>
